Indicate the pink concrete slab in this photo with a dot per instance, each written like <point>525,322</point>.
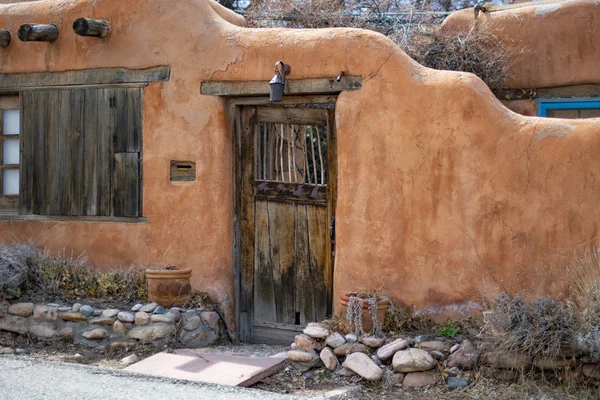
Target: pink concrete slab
<point>221,368</point>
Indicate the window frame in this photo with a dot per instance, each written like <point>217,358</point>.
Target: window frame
<point>9,202</point>
<point>543,105</point>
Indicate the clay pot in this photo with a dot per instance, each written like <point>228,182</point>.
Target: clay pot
<point>367,321</point>
<point>169,287</point>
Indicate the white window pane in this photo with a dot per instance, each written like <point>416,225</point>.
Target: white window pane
<point>10,151</point>
<point>10,122</point>
<point>10,181</point>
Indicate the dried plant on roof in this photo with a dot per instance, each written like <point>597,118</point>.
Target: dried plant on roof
<point>478,51</point>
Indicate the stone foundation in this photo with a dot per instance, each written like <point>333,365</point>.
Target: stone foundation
<point>87,326</point>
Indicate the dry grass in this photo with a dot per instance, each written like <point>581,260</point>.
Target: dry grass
<point>584,279</point>
<point>14,268</point>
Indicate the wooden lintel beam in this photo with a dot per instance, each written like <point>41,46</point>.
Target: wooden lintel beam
<point>38,33</point>
<point>100,76</point>
<point>4,38</point>
<point>294,86</point>
<point>91,27</point>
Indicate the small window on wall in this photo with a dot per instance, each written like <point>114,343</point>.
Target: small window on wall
<point>569,108</point>
<point>10,150</point>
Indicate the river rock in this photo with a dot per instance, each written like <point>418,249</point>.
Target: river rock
<point>137,307</point>
<point>300,356</point>
<point>95,334</point>
<point>387,352</point>
<point>169,318</point>
<point>66,334</point>
<point>210,318</point>
<point>141,318</point>
<point>21,309</point>
<point>130,359</point>
<point>196,339</point>
<point>335,340</point>
<point>119,328</point>
<point>432,345</point>
<point>86,310</point>
<point>455,382</point>
<point>150,307</point>
<point>316,332</point>
<point>351,338</point>
<point>72,316</point>
<point>191,322</point>
<point>125,316</point>
<point>305,342</point>
<point>419,379</point>
<point>45,314</point>
<point>350,348</point>
<point>42,331</point>
<point>112,313</point>
<point>412,360</point>
<point>329,359</point>
<point>372,341</point>
<point>6,350</point>
<point>151,332</point>
<point>13,323</point>
<point>159,310</point>
<point>466,357</point>
<point>76,307</point>
<point>106,321</point>
<point>363,366</point>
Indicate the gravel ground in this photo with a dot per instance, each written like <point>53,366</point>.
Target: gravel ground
<point>26,378</point>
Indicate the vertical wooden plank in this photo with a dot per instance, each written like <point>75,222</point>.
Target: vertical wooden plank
<point>126,174</point>
<point>129,120</point>
<point>316,217</point>
<point>40,132</point>
<point>52,150</point>
<point>282,248</point>
<point>104,151</point>
<point>65,171</point>
<point>76,165</point>
<point>264,294</point>
<point>303,292</point>
<point>331,205</point>
<point>90,150</point>
<point>26,135</point>
<point>246,133</point>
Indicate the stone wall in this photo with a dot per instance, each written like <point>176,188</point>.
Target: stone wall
<point>87,326</point>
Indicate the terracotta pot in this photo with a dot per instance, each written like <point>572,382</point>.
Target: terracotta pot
<point>367,321</point>
<point>169,287</point>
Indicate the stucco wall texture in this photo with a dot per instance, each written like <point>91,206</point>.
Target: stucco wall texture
<point>444,196</point>
<point>556,42</point>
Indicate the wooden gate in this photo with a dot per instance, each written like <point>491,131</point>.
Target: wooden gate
<point>287,181</point>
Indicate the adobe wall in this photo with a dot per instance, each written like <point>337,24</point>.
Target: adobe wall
<point>558,41</point>
<point>444,196</point>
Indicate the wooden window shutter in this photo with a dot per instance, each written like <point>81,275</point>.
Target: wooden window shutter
<point>71,152</point>
<point>127,152</point>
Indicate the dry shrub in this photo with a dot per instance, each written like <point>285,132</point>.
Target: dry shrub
<point>70,276</point>
<point>477,51</point>
<point>199,299</point>
<point>14,268</point>
<point>541,329</point>
<point>584,278</point>
<point>297,14</point>
<point>398,319</point>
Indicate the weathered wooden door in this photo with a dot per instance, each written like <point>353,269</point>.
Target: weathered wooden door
<point>287,203</point>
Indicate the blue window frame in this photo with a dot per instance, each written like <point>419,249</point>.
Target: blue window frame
<point>543,105</point>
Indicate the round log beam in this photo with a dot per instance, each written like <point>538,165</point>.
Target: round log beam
<point>4,38</point>
<point>91,27</point>
<point>38,33</point>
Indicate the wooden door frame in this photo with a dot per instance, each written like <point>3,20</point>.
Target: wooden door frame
<point>244,279</point>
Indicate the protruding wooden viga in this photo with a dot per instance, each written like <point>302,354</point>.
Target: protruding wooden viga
<point>91,27</point>
<point>38,33</point>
